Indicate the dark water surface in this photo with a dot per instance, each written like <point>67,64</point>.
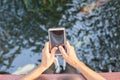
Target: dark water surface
<point>24,25</point>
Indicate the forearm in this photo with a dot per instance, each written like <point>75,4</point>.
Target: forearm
<point>34,74</point>
<point>88,73</point>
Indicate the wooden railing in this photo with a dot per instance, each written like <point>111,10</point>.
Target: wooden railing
<point>108,76</point>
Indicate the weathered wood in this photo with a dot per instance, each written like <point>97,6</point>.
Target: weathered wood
<point>108,76</point>
<point>111,76</point>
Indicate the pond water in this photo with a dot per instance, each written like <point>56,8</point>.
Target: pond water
<point>24,28</point>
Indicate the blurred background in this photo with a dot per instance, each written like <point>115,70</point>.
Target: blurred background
<point>24,28</point>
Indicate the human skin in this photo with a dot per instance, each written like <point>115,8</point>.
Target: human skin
<point>72,59</point>
<point>47,60</point>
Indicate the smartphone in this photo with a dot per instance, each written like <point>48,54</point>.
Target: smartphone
<point>57,37</point>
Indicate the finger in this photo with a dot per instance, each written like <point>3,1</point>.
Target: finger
<point>47,47</point>
<point>53,51</point>
<point>63,51</point>
<point>68,45</point>
<point>42,50</point>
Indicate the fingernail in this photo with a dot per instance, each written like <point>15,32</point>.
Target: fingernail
<point>56,48</point>
<point>60,47</point>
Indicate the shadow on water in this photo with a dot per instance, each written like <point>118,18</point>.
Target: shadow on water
<point>24,25</point>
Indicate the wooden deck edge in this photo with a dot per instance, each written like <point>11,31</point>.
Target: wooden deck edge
<point>108,76</point>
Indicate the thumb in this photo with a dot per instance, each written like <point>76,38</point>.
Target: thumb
<point>62,51</point>
<point>53,51</point>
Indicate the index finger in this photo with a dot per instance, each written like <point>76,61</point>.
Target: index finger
<point>47,46</point>
<point>68,45</point>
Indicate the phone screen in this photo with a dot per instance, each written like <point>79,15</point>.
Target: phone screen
<point>57,38</point>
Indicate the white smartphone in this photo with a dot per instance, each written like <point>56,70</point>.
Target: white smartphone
<point>57,37</point>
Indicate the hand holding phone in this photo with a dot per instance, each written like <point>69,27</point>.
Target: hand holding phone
<point>57,37</point>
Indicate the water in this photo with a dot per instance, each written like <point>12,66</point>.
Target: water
<point>23,32</point>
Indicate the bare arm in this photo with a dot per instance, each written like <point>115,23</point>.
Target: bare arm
<point>47,60</point>
<point>34,74</point>
<point>72,59</point>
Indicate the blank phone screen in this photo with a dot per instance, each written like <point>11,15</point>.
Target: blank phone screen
<point>57,39</point>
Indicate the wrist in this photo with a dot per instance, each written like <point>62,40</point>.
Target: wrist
<point>75,64</point>
<point>79,64</point>
<point>35,73</point>
<point>42,67</point>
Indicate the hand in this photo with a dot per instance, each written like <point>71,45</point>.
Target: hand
<point>47,57</point>
<point>47,60</point>
<point>70,56</point>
